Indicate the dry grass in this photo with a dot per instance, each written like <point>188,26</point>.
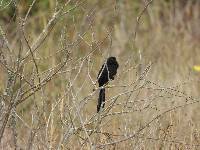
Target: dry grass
<point>152,104</point>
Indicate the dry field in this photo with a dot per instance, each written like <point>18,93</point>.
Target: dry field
<point>50,55</point>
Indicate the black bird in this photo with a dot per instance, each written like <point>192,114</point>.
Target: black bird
<point>107,72</point>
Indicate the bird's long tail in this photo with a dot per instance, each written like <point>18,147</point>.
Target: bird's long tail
<point>101,100</point>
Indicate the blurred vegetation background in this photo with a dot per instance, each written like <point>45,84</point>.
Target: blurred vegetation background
<point>168,36</point>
